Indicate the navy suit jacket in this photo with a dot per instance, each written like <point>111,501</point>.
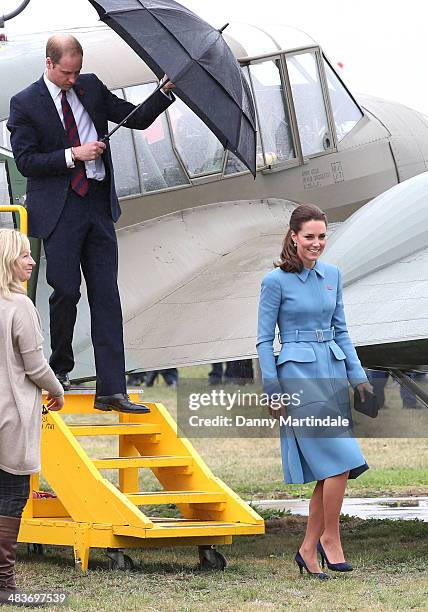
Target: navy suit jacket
<point>38,142</point>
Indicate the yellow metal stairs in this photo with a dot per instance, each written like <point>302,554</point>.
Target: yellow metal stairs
<point>91,512</point>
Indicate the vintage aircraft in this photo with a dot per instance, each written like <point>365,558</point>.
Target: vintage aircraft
<point>197,231</point>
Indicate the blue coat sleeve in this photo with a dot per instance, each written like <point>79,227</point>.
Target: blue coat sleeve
<point>354,369</point>
<point>269,305</point>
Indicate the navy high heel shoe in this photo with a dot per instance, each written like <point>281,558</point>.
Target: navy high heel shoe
<point>302,564</point>
<point>336,567</point>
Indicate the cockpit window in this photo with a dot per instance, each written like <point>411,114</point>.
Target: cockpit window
<point>233,164</point>
<point>253,39</point>
<point>309,103</point>
<point>345,111</point>
<point>158,166</point>
<point>123,153</point>
<point>272,109</point>
<point>200,150</point>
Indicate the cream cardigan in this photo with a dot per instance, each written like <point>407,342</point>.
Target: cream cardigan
<point>24,371</point>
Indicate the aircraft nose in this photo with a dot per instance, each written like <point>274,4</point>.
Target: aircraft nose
<point>409,136</point>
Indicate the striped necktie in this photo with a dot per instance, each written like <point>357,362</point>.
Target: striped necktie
<point>79,180</point>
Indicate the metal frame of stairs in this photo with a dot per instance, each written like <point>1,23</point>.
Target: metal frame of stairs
<point>90,512</point>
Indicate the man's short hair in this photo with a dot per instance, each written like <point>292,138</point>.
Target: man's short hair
<point>57,46</point>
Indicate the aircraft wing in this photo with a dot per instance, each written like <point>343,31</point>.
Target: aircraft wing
<point>388,313</point>
<point>383,254</point>
<point>189,283</point>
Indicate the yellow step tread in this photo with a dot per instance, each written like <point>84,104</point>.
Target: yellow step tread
<point>111,429</point>
<point>167,528</point>
<point>176,497</point>
<point>159,529</point>
<point>143,461</point>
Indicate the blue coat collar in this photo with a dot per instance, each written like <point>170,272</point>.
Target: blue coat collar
<point>318,267</point>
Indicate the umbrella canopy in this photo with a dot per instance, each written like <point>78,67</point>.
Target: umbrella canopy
<point>174,41</point>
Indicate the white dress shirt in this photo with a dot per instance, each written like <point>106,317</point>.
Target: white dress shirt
<point>87,133</point>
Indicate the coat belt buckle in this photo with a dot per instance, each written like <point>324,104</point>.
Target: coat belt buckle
<point>320,335</point>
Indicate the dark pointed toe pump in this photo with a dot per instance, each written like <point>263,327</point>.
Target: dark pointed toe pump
<point>335,567</point>
<point>302,564</point>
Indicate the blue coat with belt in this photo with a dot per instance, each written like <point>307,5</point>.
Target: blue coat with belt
<point>38,141</point>
<point>317,354</point>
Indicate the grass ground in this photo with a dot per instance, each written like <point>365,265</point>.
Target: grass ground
<point>391,557</point>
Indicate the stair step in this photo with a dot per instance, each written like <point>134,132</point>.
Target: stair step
<point>176,497</point>
<point>174,528</point>
<point>113,429</point>
<point>188,523</point>
<point>154,461</point>
<point>171,528</point>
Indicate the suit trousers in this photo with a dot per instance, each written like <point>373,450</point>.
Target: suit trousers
<point>84,239</point>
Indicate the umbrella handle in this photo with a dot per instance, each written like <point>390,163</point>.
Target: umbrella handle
<point>107,137</point>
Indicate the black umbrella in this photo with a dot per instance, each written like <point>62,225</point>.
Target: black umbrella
<point>172,40</point>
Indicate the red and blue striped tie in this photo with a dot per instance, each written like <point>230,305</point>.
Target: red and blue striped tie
<point>79,180</point>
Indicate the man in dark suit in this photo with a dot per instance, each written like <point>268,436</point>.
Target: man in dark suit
<point>56,125</point>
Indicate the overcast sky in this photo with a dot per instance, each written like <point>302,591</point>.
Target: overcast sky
<point>382,44</point>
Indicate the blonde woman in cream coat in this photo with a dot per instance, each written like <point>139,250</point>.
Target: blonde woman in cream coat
<point>24,372</point>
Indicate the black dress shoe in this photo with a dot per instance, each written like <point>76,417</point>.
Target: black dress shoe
<point>64,379</point>
<point>119,402</point>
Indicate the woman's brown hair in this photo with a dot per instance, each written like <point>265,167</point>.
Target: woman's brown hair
<point>289,261</point>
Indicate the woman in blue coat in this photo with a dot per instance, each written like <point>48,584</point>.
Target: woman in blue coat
<point>303,296</point>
